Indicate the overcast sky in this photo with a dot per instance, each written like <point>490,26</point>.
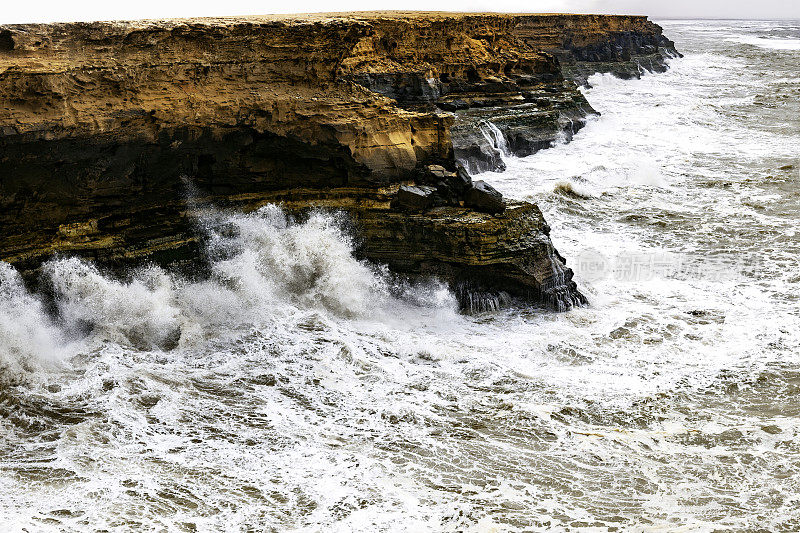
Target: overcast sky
<point>71,10</point>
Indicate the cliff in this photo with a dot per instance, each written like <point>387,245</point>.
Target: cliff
<point>101,124</point>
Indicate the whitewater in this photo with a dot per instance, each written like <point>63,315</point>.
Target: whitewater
<point>295,387</point>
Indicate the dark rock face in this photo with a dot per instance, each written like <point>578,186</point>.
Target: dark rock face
<point>447,188</point>
<point>101,124</point>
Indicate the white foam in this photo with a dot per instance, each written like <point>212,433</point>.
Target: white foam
<point>768,43</point>
<point>29,341</point>
<point>140,311</point>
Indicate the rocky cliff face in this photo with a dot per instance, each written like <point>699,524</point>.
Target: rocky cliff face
<point>502,75</point>
<point>102,124</point>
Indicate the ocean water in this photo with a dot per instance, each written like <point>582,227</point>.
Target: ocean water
<point>300,389</point>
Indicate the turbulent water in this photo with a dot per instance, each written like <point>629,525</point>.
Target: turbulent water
<point>299,389</point>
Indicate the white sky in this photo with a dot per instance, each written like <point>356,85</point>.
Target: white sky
<point>17,11</point>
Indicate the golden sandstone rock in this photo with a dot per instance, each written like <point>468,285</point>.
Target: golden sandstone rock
<point>101,124</point>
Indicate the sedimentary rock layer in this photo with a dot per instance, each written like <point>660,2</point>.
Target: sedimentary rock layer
<point>103,124</point>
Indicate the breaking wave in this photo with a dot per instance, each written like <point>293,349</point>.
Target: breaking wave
<point>267,256</point>
<point>262,267</point>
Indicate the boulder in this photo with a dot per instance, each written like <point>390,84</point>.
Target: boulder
<point>483,197</point>
<point>414,197</point>
<point>450,186</point>
<point>463,179</point>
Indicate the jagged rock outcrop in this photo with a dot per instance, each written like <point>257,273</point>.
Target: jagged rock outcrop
<point>509,252</point>
<point>623,46</point>
<point>101,124</point>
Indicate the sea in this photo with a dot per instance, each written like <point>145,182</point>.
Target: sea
<point>297,388</point>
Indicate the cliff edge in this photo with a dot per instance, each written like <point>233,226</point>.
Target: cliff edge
<point>101,125</point>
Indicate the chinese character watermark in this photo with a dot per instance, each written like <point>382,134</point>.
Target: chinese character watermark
<point>592,265</point>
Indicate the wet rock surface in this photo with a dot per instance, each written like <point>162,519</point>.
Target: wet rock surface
<point>103,125</point>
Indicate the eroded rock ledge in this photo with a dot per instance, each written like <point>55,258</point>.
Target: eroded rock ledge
<point>101,123</point>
